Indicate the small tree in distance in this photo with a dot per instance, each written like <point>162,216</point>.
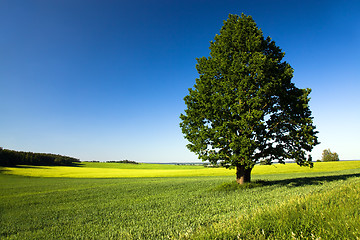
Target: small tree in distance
<point>328,156</point>
<point>244,107</point>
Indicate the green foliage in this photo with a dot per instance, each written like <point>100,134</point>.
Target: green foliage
<point>173,208</point>
<point>265,162</point>
<point>244,107</point>
<point>328,156</point>
<point>13,158</point>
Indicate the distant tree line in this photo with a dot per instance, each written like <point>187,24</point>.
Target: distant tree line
<point>216,165</point>
<point>13,158</point>
<point>123,161</point>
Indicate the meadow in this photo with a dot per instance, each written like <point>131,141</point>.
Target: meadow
<point>283,202</point>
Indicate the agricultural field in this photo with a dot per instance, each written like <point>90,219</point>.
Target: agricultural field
<point>99,201</point>
<point>120,170</point>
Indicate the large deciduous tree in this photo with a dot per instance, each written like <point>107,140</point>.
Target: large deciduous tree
<point>328,156</point>
<point>243,107</point>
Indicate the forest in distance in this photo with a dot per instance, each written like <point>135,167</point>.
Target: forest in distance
<point>13,158</point>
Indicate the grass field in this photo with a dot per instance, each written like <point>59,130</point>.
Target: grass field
<point>322,204</point>
<point>118,170</point>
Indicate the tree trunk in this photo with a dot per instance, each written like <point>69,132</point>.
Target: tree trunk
<point>243,174</point>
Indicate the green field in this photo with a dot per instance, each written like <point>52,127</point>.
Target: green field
<point>284,202</point>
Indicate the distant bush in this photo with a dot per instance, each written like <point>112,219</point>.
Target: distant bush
<point>328,156</point>
<point>13,158</point>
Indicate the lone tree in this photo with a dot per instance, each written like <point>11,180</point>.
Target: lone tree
<point>328,156</point>
<point>243,107</point>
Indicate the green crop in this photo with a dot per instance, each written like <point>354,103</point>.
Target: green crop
<point>118,170</point>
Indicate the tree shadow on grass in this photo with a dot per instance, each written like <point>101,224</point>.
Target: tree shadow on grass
<point>43,166</point>
<point>2,170</point>
<point>76,164</point>
<point>28,166</point>
<point>306,181</point>
<point>290,182</point>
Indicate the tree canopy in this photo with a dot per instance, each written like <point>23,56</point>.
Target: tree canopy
<point>243,107</point>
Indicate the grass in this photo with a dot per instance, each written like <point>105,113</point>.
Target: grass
<point>330,214</point>
<point>118,170</point>
<point>302,205</point>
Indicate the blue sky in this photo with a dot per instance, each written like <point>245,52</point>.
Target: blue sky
<point>105,80</point>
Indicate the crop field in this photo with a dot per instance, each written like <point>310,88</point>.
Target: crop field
<point>283,202</point>
<point>119,170</point>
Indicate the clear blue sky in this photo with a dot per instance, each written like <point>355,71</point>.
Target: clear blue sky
<point>105,80</point>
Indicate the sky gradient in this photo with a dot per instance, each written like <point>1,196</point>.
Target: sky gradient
<point>105,80</point>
